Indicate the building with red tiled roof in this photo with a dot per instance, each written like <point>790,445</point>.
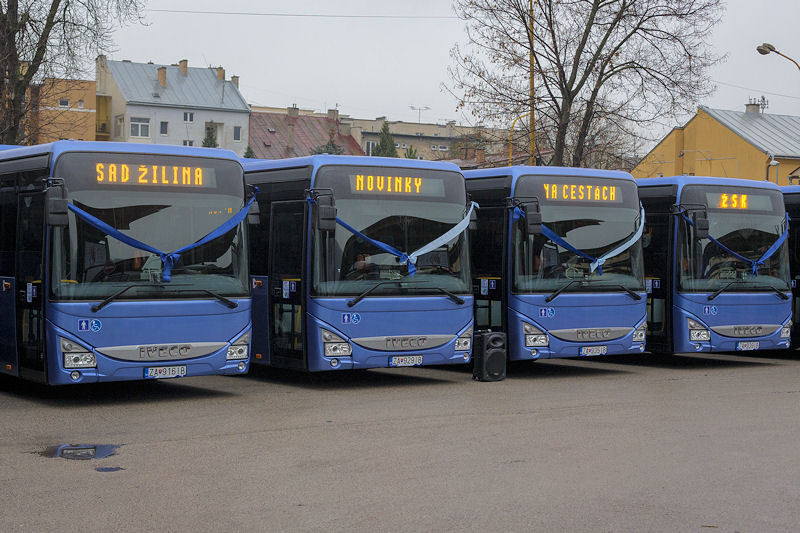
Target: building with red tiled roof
<point>290,134</point>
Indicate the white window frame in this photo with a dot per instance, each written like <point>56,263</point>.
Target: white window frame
<point>443,148</point>
<point>188,143</point>
<point>370,146</point>
<point>188,117</point>
<point>161,128</point>
<point>140,123</point>
<point>237,129</point>
<point>63,102</point>
<point>433,147</point>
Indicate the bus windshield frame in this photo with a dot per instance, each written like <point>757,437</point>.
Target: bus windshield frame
<point>144,202</point>
<point>420,207</point>
<point>702,266</point>
<point>593,214</point>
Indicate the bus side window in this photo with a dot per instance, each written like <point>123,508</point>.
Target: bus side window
<point>8,224</point>
<point>655,244</point>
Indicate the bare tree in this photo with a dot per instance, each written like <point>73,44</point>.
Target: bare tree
<point>600,65</point>
<point>50,38</point>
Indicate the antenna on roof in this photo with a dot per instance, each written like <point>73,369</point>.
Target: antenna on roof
<point>763,103</point>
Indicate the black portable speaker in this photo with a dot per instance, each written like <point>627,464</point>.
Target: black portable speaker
<point>489,356</point>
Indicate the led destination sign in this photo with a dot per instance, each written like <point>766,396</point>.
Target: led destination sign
<point>582,192</point>
<point>739,201</point>
<point>160,175</point>
<point>396,185</point>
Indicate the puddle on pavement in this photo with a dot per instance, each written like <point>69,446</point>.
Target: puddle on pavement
<point>81,452</point>
<point>109,468</point>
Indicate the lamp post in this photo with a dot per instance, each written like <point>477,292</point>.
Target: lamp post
<point>766,48</point>
<point>511,140</point>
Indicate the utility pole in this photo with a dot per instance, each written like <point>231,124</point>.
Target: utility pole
<point>531,132</point>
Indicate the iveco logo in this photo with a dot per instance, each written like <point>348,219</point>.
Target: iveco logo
<point>593,334</point>
<point>164,351</point>
<point>405,343</point>
<point>748,331</point>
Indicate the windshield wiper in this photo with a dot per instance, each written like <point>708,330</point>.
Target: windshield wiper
<point>758,287</point>
<point>97,307</point>
<point>633,294</point>
<point>562,289</point>
<point>447,293</point>
<point>226,301</point>
<point>366,293</point>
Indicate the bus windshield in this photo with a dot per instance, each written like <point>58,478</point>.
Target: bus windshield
<point>595,216</point>
<point>405,208</point>
<point>745,220</point>
<point>167,202</point>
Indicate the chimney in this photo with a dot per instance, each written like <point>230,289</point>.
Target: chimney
<point>480,156</point>
<point>162,76</point>
<point>333,114</point>
<point>220,73</point>
<point>293,111</point>
<point>183,64</point>
<point>752,107</point>
<point>235,81</point>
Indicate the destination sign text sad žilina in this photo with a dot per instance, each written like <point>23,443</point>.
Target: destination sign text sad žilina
<point>164,175</point>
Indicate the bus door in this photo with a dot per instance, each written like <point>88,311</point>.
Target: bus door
<point>794,269</point>
<point>287,232</point>
<point>658,257</point>
<point>30,286</point>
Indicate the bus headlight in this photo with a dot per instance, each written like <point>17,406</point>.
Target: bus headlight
<point>534,336</point>
<point>640,333</point>
<point>334,345</point>
<point>698,332</point>
<point>75,355</point>
<point>464,341</point>
<point>786,330</point>
<point>239,349</point>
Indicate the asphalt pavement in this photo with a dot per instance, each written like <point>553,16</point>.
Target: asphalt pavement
<point>634,443</point>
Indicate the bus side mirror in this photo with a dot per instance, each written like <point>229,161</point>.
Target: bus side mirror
<point>56,206</point>
<point>254,214</point>
<point>533,220</point>
<point>701,226</point>
<point>473,221</point>
<point>326,213</point>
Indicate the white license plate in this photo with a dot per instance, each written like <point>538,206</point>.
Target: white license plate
<point>405,360</point>
<point>744,346</point>
<point>594,350</point>
<point>160,372</point>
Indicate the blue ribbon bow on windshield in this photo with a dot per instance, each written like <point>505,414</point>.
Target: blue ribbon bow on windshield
<point>168,259</point>
<point>410,259</point>
<point>754,264</point>
<point>595,263</point>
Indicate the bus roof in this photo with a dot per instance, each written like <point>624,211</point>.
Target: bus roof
<point>317,161</point>
<point>59,147</point>
<point>682,181</point>
<point>522,170</point>
<point>790,189</point>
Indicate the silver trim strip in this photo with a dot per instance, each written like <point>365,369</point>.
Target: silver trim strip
<point>590,334</point>
<point>741,331</point>
<point>403,343</point>
<point>162,352</point>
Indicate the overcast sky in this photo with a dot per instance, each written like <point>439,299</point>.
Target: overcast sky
<point>372,67</point>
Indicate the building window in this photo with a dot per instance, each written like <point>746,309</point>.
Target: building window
<point>188,116</point>
<point>433,147</point>
<point>370,147</point>
<point>80,104</point>
<point>397,145</point>
<point>404,145</point>
<point>443,148</point>
<point>164,127</point>
<point>140,127</point>
<point>188,143</point>
<point>63,102</point>
<point>237,133</point>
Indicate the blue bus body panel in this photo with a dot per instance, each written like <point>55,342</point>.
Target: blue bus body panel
<point>136,323</point>
<point>573,311</point>
<point>8,327</point>
<point>729,309</point>
<point>388,316</point>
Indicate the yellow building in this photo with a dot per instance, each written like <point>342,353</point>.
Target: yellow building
<point>749,145</point>
<point>63,109</point>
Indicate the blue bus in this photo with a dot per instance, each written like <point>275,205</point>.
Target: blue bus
<point>122,262</point>
<point>558,261</point>
<point>717,265</point>
<point>359,262</point>
<point>791,198</point>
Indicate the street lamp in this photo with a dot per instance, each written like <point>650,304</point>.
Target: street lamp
<point>766,48</point>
